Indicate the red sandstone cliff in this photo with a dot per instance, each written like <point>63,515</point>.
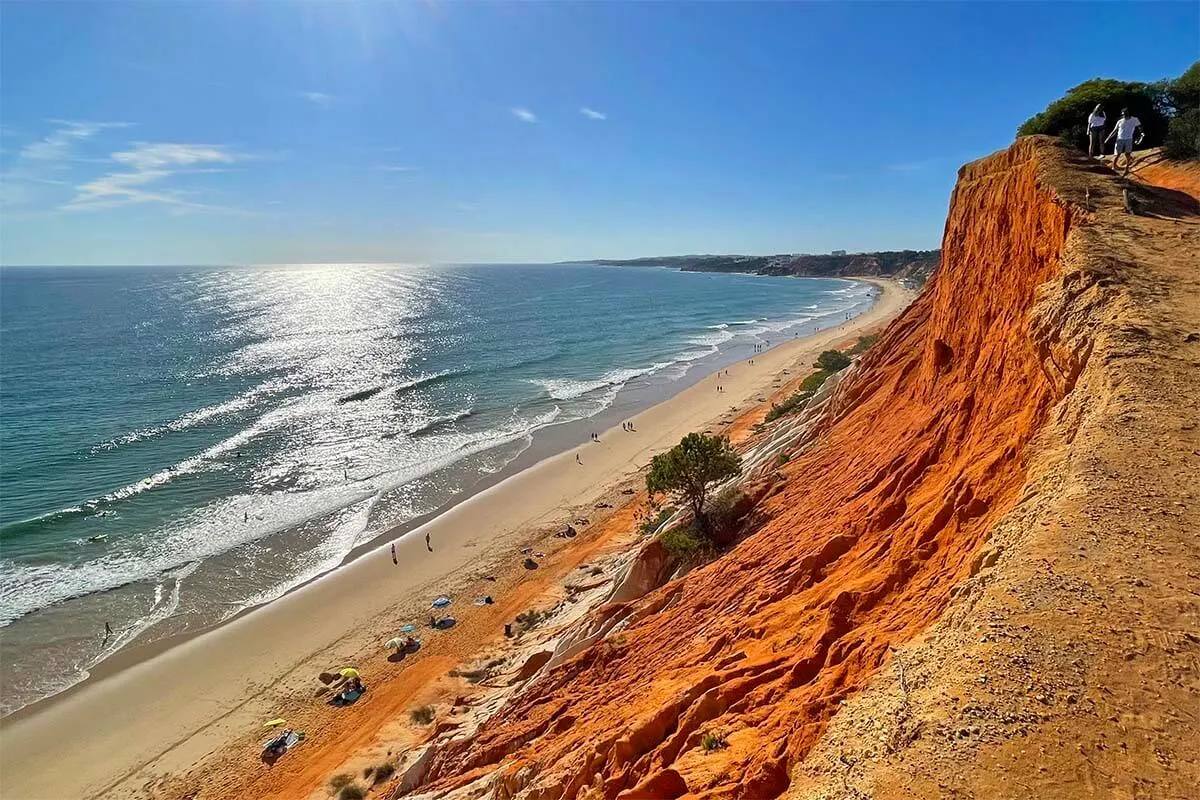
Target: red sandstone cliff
<point>863,546</point>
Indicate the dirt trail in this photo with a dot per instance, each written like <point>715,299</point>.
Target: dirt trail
<point>881,525</point>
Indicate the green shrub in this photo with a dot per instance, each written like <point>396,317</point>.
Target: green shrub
<point>532,618</point>
<point>1183,136</point>
<point>721,507</point>
<point>782,459</point>
<point>340,780</point>
<point>653,523</point>
<point>1183,93</point>
<point>833,360</point>
<point>864,343</point>
<point>681,543</point>
<point>352,792</point>
<point>384,771</point>
<point>814,381</point>
<point>791,405</point>
<point>712,742</point>
<point>422,715</point>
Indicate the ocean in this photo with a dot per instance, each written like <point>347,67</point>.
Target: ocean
<point>180,444</point>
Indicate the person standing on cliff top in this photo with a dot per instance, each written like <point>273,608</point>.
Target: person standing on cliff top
<point>1096,123</point>
<point>1127,125</point>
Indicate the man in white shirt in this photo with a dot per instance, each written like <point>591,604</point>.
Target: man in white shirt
<point>1096,123</point>
<point>1127,125</point>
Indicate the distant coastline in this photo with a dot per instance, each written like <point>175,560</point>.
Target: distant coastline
<point>911,267</point>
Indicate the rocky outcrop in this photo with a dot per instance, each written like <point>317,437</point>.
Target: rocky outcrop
<point>721,681</point>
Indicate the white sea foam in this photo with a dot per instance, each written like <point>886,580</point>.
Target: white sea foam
<point>567,388</point>
<point>436,422</point>
<point>201,415</point>
<point>205,533</point>
<point>328,556</point>
<point>571,388</point>
<point>714,339</point>
<point>159,611</point>
<point>422,380</point>
<point>218,528</point>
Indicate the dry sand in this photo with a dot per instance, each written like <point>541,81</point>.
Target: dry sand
<point>112,736</point>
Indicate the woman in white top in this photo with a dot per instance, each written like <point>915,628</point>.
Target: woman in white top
<point>1096,123</point>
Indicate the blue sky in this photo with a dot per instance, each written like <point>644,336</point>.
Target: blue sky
<point>255,132</point>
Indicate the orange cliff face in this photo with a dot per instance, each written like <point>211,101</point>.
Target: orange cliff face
<point>860,549</point>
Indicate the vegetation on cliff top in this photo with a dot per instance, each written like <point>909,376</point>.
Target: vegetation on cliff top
<point>1169,111</point>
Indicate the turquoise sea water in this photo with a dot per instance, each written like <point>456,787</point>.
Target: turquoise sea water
<point>232,432</point>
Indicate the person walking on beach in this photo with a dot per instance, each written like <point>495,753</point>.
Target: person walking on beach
<point>427,544</point>
<point>107,634</point>
<point>1126,127</point>
<point>1096,123</point>
<point>394,561</point>
<point>578,460</point>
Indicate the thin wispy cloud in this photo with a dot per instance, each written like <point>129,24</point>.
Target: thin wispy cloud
<point>592,113</point>
<point>524,114</point>
<point>46,162</point>
<point>397,168</point>
<point>59,145</point>
<point>319,98</point>
<point>466,206</point>
<point>145,168</point>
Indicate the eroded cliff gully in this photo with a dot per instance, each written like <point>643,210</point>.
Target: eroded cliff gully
<point>859,549</point>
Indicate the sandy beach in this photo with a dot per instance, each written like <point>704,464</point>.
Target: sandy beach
<point>164,715</point>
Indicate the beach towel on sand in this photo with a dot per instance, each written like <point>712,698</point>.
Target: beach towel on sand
<point>284,742</point>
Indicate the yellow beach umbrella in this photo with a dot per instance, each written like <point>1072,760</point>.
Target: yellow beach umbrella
<point>275,723</point>
<point>348,672</point>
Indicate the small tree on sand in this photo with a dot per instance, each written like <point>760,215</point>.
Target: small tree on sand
<point>691,467</point>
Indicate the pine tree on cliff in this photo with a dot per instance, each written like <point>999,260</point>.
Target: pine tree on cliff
<point>691,468</point>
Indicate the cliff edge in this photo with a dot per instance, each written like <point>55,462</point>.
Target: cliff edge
<point>988,547</point>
